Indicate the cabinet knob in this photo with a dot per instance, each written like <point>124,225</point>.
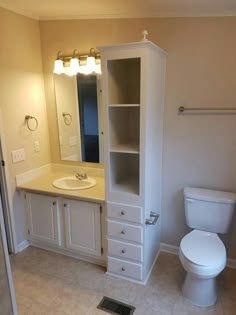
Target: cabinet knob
<point>123,251</point>
<point>122,213</point>
<point>123,232</point>
<point>54,203</point>
<point>123,268</point>
<point>65,205</point>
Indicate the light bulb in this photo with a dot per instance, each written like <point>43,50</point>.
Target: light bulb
<point>58,67</point>
<point>91,64</point>
<point>74,66</point>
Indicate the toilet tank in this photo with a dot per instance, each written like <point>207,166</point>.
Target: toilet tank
<point>209,210</point>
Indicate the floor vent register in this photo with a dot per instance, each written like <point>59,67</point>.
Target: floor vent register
<point>115,307</point>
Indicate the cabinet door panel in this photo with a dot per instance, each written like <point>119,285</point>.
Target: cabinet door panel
<point>43,216</point>
<point>82,225</point>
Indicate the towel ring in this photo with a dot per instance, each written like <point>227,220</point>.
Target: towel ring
<point>28,118</point>
<point>67,120</point>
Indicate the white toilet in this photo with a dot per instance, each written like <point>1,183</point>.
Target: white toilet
<point>202,252</point>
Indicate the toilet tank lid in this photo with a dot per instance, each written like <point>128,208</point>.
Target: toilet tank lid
<point>210,195</point>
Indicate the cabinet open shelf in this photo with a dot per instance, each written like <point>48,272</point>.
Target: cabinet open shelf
<point>124,172</point>
<point>125,148</point>
<point>124,81</point>
<point>124,105</point>
<point>124,129</point>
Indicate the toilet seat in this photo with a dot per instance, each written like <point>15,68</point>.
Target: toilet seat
<point>203,249</point>
<point>201,271</point>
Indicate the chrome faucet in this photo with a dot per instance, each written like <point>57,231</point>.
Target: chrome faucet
<point>80,176</point>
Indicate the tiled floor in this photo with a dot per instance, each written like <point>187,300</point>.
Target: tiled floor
<point>48,283</point>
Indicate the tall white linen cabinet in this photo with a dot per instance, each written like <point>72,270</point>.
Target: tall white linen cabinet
<point>133,82</point>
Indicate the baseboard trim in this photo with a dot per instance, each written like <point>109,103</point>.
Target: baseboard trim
<point>23,245</point>
<point>171,249</point>
<point>231,263</point>
<point>153,264</point>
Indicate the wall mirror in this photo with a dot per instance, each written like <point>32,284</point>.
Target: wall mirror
<point>79,117</point>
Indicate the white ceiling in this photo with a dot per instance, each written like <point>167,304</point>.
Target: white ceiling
<point>81,9</point>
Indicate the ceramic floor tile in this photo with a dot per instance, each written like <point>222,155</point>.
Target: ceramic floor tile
<point>30,258</point>
<point>39,287</point>
<point>227,279</point>
<point>52,284</point>
<point>160,301</point>
<point>65,267</point>
<point>228,301</point>
<point>184,307</point>
<point>27,306</point>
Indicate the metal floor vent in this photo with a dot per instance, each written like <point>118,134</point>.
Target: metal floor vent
<point>115,307</point>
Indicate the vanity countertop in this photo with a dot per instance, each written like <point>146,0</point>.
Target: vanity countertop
<point>43,184</point>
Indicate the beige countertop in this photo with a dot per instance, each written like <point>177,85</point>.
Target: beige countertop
<point>43,184</point>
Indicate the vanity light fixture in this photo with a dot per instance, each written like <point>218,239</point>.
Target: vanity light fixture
<point>71,65</point>
<point>74,63</point>
<point>58,64</point>
<point>91,61</point>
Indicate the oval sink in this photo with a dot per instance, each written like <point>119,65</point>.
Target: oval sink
<point>71,182</point>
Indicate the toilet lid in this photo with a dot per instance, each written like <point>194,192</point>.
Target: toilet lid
<point>203,248</point>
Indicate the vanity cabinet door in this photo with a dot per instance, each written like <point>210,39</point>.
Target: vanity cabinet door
<point>43,219</point>
<point>83,226</point>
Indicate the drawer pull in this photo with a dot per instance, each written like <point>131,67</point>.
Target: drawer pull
<point>123,232</point>
<point>122,213</point>
<point>123,251</point>
<point>123,268</point>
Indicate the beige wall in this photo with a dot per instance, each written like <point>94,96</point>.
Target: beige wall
<point>199,150</point>
<point>22,93</point>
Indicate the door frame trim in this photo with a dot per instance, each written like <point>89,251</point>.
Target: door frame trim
<point>7,262</point>
<point>7,196</point>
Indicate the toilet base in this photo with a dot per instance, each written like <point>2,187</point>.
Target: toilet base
<point>200,291</point>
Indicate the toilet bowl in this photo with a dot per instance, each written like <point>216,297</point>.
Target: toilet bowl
<point>203,256</point>
<point>202,253</point>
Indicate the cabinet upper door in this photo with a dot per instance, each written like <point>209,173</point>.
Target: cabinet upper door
<point>43,218</point>
<point>83,227</point>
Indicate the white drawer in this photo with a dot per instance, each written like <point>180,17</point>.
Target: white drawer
<point>125,268</point>
<point>124,212</point>
<point>125,250</point>
<point>125,231</point>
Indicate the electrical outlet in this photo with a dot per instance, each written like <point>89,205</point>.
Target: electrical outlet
<point>36,146</point>
<point>18,155</point>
